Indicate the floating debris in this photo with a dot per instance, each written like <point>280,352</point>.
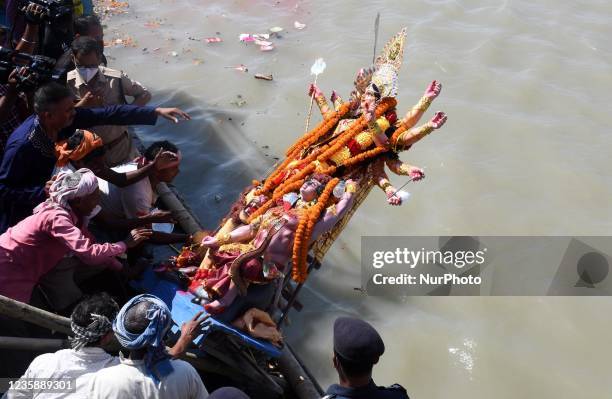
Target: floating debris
<point>246,37</point>
<point>125,41</point>
<point>263,77</point>
<point>276,29</point>
<point>299,25</point>
<point>241,68</point>
<point>173,53</point>
<point>213,40</point>
<point>260,39</point>
<point>112,7</point>
<point>252,37</point>
<point>154,24</point>
<point>198,61</point>
<point>263,43</point>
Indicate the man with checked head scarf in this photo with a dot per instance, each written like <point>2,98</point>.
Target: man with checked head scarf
<point>148,372</point>
<point>91,324</point>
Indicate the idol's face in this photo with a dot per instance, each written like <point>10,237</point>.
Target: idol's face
<point>368,100</point>
<point>309,189</point>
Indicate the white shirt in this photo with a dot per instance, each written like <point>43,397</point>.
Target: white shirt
<point>128,202</point>
<point>66,363</point>
<point>129,379</point>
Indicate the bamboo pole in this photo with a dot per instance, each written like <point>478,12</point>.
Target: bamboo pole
<point>24,312</point>
<point>298,378</point>
<point>179,211</point>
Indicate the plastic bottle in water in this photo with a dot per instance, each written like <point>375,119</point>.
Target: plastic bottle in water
<point>339,189</point>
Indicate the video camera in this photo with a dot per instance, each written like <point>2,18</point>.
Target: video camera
<point>40,69</point>
<point>53,10</point>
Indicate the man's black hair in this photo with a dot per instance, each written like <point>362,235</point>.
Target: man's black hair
<point>49,95</point>
<point>76,139</point>
<point>101,304</point>
<point>154,148</point>
<point>136,318</point>
<point>354,369</point>
<point>83,23</point>
<point>84,45</point>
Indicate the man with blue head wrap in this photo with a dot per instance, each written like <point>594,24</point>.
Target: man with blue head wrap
<point>149,371</point>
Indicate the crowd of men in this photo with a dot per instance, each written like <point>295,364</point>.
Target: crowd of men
<point>78,199</point>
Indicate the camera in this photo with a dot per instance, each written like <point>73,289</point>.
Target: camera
<point>53,10</point>
<point>40,69</point>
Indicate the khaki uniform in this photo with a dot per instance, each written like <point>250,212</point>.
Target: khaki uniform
<point>114,86</point>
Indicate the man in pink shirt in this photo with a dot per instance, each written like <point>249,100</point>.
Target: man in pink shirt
<point>35,245</point>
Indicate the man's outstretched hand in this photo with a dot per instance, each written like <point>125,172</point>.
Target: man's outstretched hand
<point>172,114</point>
<point>189,331</point>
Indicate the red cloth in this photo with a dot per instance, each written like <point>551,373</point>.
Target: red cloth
<point>216,281</point>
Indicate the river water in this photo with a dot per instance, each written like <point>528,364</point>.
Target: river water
<point>525,152</point>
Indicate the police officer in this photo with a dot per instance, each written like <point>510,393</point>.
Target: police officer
<point>93,86</point>
<point>357,348</point>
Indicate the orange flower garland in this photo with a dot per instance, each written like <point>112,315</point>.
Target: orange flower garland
<point>327,150</point>
<point>303,233</point>
<point>325,126</point>
<point>306,141</point>
<point>357,127</point>
<point>396,135</point>
<point>309,218</point>
<point>295,186</point>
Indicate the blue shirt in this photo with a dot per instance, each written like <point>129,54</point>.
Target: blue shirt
<point>29,156</point>
<point>370,391</point>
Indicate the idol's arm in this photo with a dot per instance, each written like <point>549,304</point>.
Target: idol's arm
<point>382,180</point>
<point>240,234</point>
<point>336,100</point>
<point>415,114</point>
<point>319,98</point>
<point>335,212</point>
<point>404,169</point>
<point>413,135</point>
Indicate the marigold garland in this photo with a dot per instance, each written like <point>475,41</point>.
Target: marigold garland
<point>303,233</point>
<point>307,140</point>
<point>357,127</point>
<point>397,134</point>
<point>295,186</point>
<point>327,151</point>
<point>308,219</point>
<point>315,134</point>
